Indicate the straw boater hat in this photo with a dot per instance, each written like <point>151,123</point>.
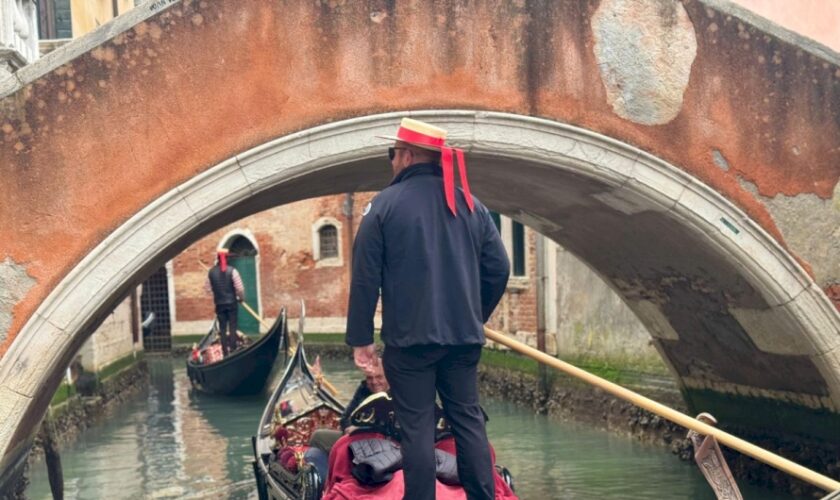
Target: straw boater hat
<point>428,136</point>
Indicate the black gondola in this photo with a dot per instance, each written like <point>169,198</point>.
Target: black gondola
<point>245,370</point>
<point>309,407</point>
<point>300,405</point>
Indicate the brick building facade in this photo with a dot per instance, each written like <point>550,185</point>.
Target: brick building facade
<point>291,265</point>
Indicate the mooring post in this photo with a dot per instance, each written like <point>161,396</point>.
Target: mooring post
<point>542,370</point>
<point>52,458</point>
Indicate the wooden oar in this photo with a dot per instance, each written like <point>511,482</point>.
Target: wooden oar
<point>321,379</point>
<point>663,411</point>
<point>243,303</point>
<point>255,315</point>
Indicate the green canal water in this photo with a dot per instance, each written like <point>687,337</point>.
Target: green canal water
<point>170,442</point>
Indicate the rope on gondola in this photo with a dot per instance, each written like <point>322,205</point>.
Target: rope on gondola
<point>663,411</point>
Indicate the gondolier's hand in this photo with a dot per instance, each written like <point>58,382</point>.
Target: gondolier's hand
<point>365,357</point>
<point>315,368</point>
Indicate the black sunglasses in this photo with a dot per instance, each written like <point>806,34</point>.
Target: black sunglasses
<point>392,151</point>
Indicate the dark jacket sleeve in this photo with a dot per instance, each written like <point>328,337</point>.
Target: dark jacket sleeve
<point>494,269</point>
<point>365,282</point>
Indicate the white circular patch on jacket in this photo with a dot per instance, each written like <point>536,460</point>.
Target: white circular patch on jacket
<point>367,209</point>
<point>644,51</point>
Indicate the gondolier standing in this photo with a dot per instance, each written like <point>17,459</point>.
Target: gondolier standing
<point>439,262</point>
<point>227,288</point>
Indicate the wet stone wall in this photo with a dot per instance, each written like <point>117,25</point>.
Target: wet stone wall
<point>72,417</point>
<point>569,399</point>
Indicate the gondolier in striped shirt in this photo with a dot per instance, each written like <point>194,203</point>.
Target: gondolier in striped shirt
<point>226,284</point>
<point>440,264</point>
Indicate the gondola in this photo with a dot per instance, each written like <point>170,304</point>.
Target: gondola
<point>244,371</point>
<point>300,405</point>
<point>306,407</point>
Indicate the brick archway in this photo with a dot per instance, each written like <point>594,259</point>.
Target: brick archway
<point>589,192</point>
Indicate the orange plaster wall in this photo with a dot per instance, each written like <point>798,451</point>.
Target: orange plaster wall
<point>90,144</point>
<point>818,20</point>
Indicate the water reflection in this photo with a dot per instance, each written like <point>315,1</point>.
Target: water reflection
<point>172,442</point>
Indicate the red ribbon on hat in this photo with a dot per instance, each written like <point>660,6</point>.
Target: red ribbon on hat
<point>223,261</point>
<point>446,152</point>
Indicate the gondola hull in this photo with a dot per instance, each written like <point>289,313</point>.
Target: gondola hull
<point>299,406</point>
<point>243,372</point>
<point>280,484</point>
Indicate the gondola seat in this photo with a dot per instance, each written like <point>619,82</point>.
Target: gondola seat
<point>341,483</point>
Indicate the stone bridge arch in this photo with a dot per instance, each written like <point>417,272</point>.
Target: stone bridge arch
<point>673,248</point>
<point>124,146</point>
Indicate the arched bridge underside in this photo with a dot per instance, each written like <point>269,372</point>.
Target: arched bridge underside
<point>189,115</point>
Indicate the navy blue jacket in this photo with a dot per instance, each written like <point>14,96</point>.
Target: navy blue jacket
<point>440,275</point>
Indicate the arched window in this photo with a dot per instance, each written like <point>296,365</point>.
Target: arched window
<point>328,241</point>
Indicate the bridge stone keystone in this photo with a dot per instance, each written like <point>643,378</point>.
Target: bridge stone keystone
<point>208,194</point>
<point>48,343</point>
<point>260,166</point>
<point>658,323</point>
<point>497,139</point>
<point>773,330</point>
<point>820,319</point>
<point>11,404</point>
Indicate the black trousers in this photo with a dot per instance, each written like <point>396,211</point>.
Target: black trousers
<point>415,374</point>
<point>227,315</point>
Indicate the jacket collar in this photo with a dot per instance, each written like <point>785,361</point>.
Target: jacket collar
<point>418,169</point>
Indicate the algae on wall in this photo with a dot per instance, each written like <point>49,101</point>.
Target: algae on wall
<point>595,326</point>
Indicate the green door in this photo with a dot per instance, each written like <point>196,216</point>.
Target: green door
<point>247,267</point>
<point>243,256</point>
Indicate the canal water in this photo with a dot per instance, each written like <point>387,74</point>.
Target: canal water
<point>171,442</point>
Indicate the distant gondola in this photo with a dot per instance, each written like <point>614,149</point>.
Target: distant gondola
<point>245,370</point>
<point>297,407</point>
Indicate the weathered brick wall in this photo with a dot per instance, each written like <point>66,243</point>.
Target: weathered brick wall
<point>594,324</point>
<point>288,271</point>
<point>516,313</point>
<point>287,268</point>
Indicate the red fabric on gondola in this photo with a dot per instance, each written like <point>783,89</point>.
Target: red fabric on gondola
<point>213,353</point>
<point>341,485</point>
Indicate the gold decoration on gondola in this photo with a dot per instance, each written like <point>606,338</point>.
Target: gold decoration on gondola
<point>367,416</point>
<point>299,459</point>
<point>299,430</point>
<point>441,424</point>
